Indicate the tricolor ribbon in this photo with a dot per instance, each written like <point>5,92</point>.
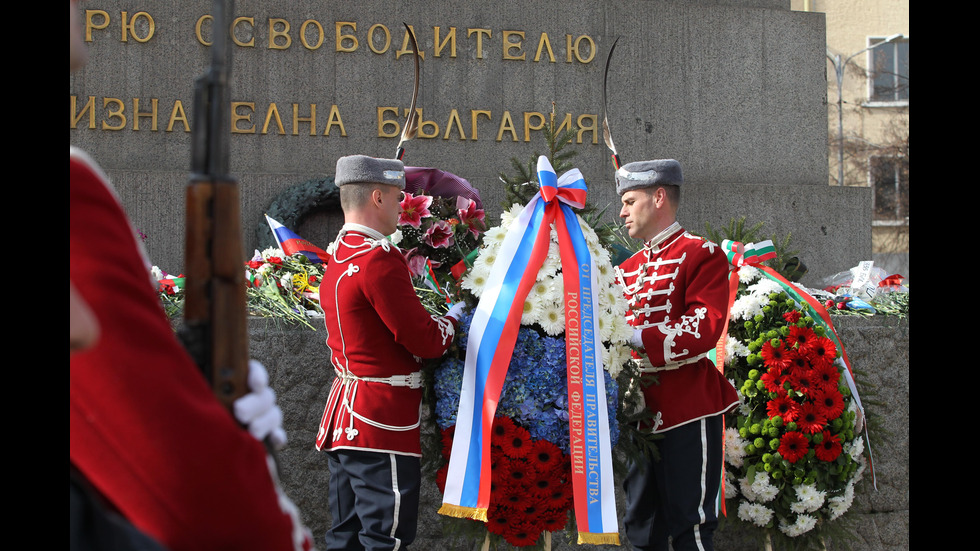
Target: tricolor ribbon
<point>748,255</point>
<point>492,334</point>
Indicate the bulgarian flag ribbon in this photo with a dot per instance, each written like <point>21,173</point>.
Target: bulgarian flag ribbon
<point>750,254</point>
<point>492,334</point>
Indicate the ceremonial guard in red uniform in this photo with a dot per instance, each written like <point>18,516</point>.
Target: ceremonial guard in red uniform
<point>377,332</point>
<point>144,428</point>
<point>676,286</point>
<point>152,452</point>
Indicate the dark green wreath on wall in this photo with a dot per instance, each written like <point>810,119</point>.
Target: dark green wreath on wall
<point>291,207</point>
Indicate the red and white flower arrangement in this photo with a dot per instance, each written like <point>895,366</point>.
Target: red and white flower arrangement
<point>794,449</point>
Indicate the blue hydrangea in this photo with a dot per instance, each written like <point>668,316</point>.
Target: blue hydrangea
<point>535,390</point>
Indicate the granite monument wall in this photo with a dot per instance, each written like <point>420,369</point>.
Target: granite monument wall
<point>736,90</point>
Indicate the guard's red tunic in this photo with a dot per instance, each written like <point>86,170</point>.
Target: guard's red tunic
<point>677,291</point>
<point>144,428</point>
<point>376,330</point>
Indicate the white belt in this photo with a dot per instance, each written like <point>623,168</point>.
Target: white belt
<point>670,366</point>
<point>413,380</point>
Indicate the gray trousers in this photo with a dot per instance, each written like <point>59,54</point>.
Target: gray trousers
<point>374,500</point>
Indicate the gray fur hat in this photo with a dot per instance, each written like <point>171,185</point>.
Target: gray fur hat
<point>361,169</point>
<point>643,174</point>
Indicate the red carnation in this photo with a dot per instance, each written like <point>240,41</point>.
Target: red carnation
<point>792,316</point>
<point>793,446</point>
<point>829,449</point>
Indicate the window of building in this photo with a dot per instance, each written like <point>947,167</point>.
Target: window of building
<point>888,78</point>
<point>889,179</point>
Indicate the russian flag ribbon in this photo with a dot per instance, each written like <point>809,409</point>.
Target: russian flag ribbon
<point>291,243</point>
<point>490,345</point>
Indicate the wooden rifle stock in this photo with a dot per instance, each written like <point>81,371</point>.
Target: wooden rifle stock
<point>215,328</point>
<point>215,302</point>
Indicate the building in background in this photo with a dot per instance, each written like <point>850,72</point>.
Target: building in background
<point>868,112</point>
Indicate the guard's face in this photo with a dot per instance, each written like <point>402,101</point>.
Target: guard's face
<point>640,213</point>
<point>391,206</point>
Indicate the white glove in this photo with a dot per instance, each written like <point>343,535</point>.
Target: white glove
<point>456,311</point>
<point>258,411</point>
<point>637,340</point>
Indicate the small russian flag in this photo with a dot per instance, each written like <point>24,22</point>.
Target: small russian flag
<point>291,244</point>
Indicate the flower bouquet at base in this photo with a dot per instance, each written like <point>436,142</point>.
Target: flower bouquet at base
<point>531,449</point>
<point>793,448</point>
<point>279,286</point>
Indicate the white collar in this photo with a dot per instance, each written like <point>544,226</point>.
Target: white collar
<point>658,239</point>
<point>360,228</point>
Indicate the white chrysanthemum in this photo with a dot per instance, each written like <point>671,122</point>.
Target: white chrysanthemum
<point>508,216</point>
<point>396,237</point>
<point>476,279</point>
<point>803,524</point>
<point>532,310</point>
<point>756,513</point>
<point>286,281</point>
<point>617,355</point>
<point>763,489</point>
<point>840,504</point>
<point>855,448</point>
<point>494,237</point>
<point>272,251</point>
<point>748,274</point>
<point>622,332</point>
<point>747,306</point>
<point>156,272</point>
<point>733,348</point>
<point>734,447</point>
<point>809,498</point>
<point>746,487</point>
<point>731,488</point>
<point>552,318</point>
<point>764,287</point>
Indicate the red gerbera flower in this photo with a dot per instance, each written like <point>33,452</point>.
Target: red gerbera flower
<point>515,473</point>
<point>797,362</point>
<point>774,356</point>
<point>544,456</point>
<point>447,441</point>
<point>773,380</point>
<point>522,534</point>
<point>793,446</point>
<point>811,419</point>
<point>517,444</point>
<point>554,519</point>
<point>502,429</point>
<point>829,402</point>
<point>828,449</point>
<point>823,351</point>
<point>803,382</point>
<point>785,407</point>
<point>826,376</point>
<point>801,338</point>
